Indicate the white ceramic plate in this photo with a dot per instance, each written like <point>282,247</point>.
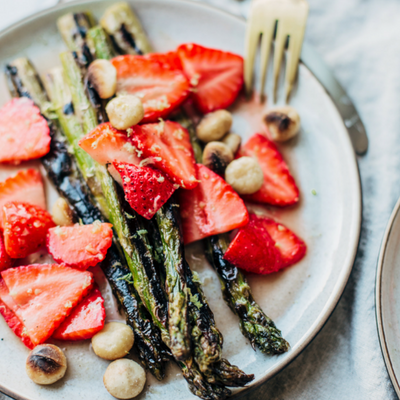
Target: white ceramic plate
<point>299,299</point>
<point>387,297</point>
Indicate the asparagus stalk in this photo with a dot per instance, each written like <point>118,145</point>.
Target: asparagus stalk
<point>196,382</point>
<point>62,171</point>
<point>125,30</point>
<point>255,325</point>
<point>207,340</point>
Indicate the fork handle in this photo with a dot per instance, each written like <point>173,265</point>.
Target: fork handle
<point>346,108</point>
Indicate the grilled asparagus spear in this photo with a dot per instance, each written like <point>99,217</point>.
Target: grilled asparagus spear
<point>255,325</point>
<point>196,382</point>
<point>62,171</point>
<point>175,278</point>
<point>207,340</point>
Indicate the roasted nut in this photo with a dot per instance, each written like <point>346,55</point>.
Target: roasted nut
<point>244,175</point>
<point>214,126</point>
<point>103,77</point>
<point>217,156</point>
<point>61,213</point>
<point>124,379</point>
<point>233,141</point>
<point>46,364</point>
<point>113,341</point>
<point>283,123</point>
<point>125,111</point>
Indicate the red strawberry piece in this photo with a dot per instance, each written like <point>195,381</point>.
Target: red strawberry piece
<point>279,188</point>
<point>44,295</point>
<point>167,145</point>
<point>146,190</point>
<point>216,75</point>
<point>106,144</point>
<point>26,185</point>
<point>253,250</point>
<point>291,248</point>
<point>86,319</point>
<point>25,228</point>
<point>168,60</point>
<point>5,260</point>
<point>80,246</point>
<point>212,207</point>
<point>160,89</point>
<point>11,319</point>
<point>24,133</point>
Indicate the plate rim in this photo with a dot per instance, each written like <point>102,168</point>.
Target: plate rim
<point>378,298</point>
<point>342,281</point>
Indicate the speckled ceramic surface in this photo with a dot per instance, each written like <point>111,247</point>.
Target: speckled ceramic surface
<point>299,299</point>
<point>388,298</point>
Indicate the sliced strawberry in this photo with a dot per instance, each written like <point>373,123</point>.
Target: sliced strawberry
<point>160,89</point>
<point>24,133</point>
<point>168,60</point>
<point>5,260</point>
<point>212,207</point>
<point>279,188</point>
<point>106,144</point>
<point>45,295</point>
<point>11,319</point>
<point>167,145</point>
<point>25,228</point>
<point>216,75</point>
<point>86,319</point>
<point>26,185</point>
<point>253,250</point>
<point>80,246</point>
<point>291,248</point>
<point>146,190</point>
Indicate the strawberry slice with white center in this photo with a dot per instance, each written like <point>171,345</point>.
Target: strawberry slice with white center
<point>167,146</point>
<point>211,208</point>
<point>217,76</point>
<point>279,187</point>
<point>160,89</point>
<point>146,190</point>
<point>106,144</point>
<point>24,133</point>
<point>44,295</point>
<point>26,185</point>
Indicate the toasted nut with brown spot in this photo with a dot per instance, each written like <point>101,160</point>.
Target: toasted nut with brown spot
<point>46,364</point>
<point>214,126</point>
<point>124,379</point>
<point>233,141</point>
<point>125,111</point>
<point>61,213</point>
<point>283,123</point>
<point>113,341</point>
<point>244,175</point>
<point>103,77</point>
<point>217,156</point>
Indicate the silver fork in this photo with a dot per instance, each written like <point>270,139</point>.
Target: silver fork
<point>289,17</point>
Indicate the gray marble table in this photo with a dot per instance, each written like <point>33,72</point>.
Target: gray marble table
<point>359,41</point>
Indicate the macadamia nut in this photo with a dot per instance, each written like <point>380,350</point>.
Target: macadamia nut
<point>233,141</point>
<point>113,341</point>
<point>244,175</point>
<point>283,123</point>
<point>124,379</point>
<point>46,364</point>
<point>125,111</point>
<point>217,156</point>
<point>103,77</point>
<point>214,126</point>
<point>61,213</point>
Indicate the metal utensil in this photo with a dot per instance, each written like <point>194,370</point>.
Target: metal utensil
<point>288,18</point>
